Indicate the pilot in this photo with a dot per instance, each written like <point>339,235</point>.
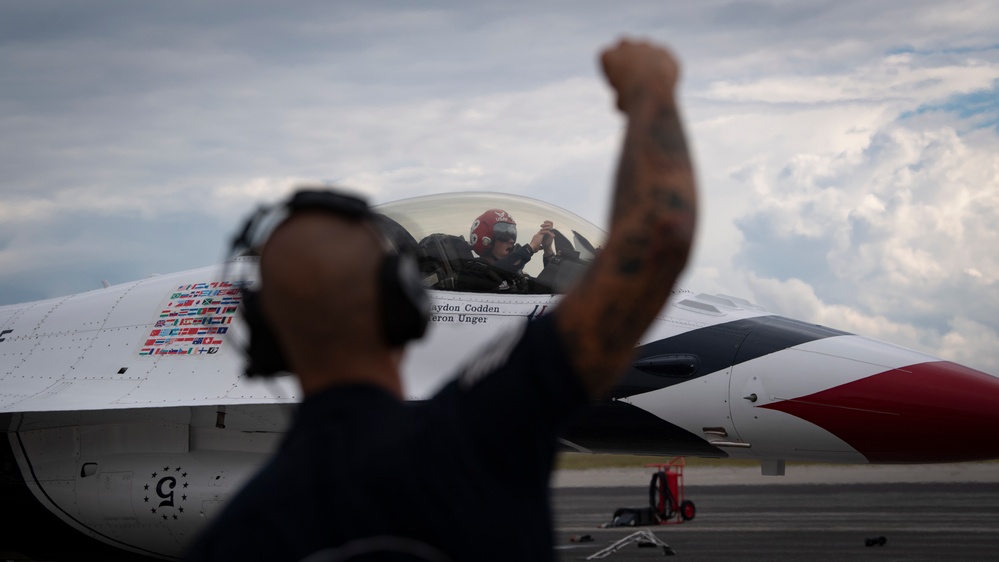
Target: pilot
<point>363,475</point>
<point>494,238</point>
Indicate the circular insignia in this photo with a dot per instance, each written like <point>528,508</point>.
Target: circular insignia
<point>165,493</point>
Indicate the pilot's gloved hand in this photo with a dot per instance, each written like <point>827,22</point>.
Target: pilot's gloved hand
<point>537,240</point>
<point>549,237</point>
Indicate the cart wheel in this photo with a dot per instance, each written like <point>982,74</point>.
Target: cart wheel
<point>660,499</point>
<point>687,510</point>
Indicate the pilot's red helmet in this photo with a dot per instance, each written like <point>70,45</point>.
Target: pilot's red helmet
<point>492,225</point>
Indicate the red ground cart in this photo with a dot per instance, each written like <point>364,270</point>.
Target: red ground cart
<point>666,493</point>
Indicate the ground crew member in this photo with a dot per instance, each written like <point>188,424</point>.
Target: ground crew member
<point>362,474</point>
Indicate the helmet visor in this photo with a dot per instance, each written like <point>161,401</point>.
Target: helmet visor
<point>505,232</point>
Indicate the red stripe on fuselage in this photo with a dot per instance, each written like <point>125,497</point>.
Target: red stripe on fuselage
<point>930,412</point>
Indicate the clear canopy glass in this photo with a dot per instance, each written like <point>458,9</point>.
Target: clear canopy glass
<point>440,227</point>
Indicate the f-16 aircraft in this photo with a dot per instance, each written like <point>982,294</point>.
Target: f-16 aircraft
<point>127,416</point>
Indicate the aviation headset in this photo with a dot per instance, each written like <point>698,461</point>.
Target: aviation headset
<point>404,304</point>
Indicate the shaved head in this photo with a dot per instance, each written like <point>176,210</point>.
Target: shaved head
<point>319,273</point>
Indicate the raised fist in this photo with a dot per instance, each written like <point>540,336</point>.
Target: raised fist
<point>637,68</point>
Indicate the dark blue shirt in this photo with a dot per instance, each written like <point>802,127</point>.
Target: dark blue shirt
<point>466,471</point>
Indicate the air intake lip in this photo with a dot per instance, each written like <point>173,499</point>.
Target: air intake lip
<point>673,365</point>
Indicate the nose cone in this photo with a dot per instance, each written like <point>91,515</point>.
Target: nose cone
<point>929,412</point>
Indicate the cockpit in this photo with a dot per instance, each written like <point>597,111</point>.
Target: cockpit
<point>438,229</point>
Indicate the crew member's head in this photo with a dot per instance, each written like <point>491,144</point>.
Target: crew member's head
<point>493,234</point>
<point>337,301</point>
<point>320,296</point>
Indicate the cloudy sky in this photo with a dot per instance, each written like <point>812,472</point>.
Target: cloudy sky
<point>848,151</point>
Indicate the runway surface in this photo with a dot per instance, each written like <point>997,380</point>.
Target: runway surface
<point>814,513</point>
<point>949,518</point>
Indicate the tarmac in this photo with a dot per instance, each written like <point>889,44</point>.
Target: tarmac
<point>814,512</point>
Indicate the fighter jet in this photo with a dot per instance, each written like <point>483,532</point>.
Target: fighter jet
<point>127,415</point>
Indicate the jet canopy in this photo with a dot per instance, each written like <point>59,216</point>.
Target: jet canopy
<point>439,227</point>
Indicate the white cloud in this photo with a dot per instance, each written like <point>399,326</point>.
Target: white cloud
<point>495,142</point>
<point>894,79</point>
<point>863,180</point>
<point>797,299</point>
<point>262,190</point>
<point>894,239</point>
<point>962,340</point>
<point>971,343</point>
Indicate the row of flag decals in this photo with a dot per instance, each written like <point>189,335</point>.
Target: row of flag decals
<point>195,320</point>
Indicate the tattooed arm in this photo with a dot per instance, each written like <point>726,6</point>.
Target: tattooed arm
<point>652,221</point>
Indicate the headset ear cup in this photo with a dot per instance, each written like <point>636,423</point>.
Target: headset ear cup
<point>405,305</point>
<point>264,356</point>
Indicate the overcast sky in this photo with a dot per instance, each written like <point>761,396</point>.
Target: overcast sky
<point>847,151</point>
